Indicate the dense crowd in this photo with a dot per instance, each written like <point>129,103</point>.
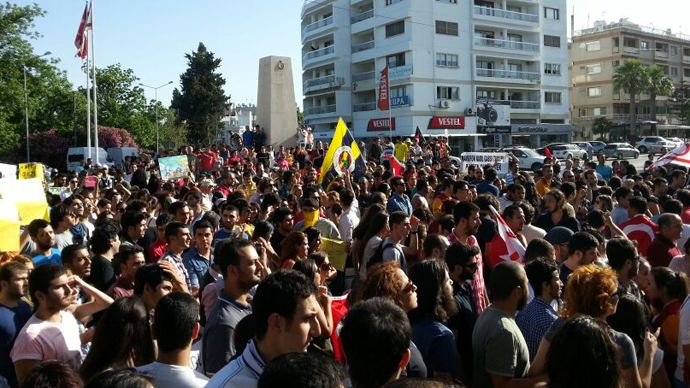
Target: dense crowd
<point>249,272</point>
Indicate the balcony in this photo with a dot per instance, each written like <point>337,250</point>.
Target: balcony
<point>370,75</point>
<point>686,58</point>
<point>318,53</point>
<point>316,25</point>
<point>514,104</point>
<point>315,84</point>
<point>506,44</point>
<point>631,50</point>
<point>504,14</point>
<point>319,110</point>
<point>362,16</point>
<point>311,5</point>
<point>661,54</point>
<point>363,46</point>
<point>509,74</point>
<point>364,107</point>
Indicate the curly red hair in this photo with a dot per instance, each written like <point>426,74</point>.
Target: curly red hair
<point>589,289</point>
<point>383,281</point>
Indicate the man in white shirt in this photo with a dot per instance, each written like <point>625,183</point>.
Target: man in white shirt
<point>175,326</point>
<point>349,219</point>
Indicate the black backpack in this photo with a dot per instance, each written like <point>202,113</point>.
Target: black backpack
<point>378,254</point>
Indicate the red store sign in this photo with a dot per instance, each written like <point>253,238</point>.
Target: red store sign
<point>453,122</point>
<point>381,124</point>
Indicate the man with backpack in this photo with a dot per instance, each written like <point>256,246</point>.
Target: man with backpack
<point>392,248</point>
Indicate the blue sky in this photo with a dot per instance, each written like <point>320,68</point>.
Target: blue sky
<point>152,36</point>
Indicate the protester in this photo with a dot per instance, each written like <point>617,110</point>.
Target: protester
<point>14,313</point>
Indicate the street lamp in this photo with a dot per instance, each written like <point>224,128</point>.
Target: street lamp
<point>26,109</point>
<point>155,91</point>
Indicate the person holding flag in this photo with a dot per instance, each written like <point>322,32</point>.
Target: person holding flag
<point>508,244</point>
<point>343,155</point>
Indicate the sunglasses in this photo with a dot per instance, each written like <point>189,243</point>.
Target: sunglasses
<point>409,287</point>
<point>326,267</point>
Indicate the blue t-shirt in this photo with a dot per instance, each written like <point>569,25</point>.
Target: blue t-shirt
<point>436,343</point>
<point>221,235</point>
<point>11,322</point>
<point>605,171</point>
<point>485,186</point>
<point>53,258</point>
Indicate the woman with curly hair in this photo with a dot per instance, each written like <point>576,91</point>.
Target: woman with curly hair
<point>593,291</point>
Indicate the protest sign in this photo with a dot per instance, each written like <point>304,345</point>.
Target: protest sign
<point>499,160</point>
<point>9,224</point>
<point>28,197</point>
<point>8,171</point>
<point>30,170</point>
<point>174,167</point>
<point>335,249</point>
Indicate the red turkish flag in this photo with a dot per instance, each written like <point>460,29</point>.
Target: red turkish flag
<point>82,40</point>
<point>397,168</point>
<point>384,91</point>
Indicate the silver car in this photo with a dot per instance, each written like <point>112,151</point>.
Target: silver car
<point>620,151</point>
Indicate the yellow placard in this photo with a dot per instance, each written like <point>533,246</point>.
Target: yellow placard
<point>30,170</point>
<point>9,225</point>
<point>28,197</point>
<point>335,249</point>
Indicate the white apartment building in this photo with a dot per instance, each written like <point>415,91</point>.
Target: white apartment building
<point>445,57</point>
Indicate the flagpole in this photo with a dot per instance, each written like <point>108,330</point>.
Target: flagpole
<point>390,107</point>
<point>88,103</point>
<point>95,85</point>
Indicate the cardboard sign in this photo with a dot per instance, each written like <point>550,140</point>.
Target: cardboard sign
<point>28,197</point>
<point>174,167</point>
<point>8,171</point>
<point>9,224</point>
<point>499,160</point>
<point>30,171</point>
<point>335,249</point>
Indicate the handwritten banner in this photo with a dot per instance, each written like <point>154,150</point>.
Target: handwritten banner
<point>30,170</point>
<point>27,195</point>
<point>499,160</point>
<point>335,249</point>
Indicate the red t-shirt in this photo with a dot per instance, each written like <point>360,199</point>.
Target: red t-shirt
<point>207,159</point>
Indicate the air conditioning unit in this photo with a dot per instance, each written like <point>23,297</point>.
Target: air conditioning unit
<point>469,112</point>
<point>445,104</point>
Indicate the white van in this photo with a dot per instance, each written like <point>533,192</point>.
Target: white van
<point>77,154</point>
<point>117,155</point>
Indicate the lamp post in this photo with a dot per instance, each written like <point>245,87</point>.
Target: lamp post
<point>155,91</point>
<point>26,110</point>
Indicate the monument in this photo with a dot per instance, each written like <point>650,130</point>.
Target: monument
<point>276,108</point>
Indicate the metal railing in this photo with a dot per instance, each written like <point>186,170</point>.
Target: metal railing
<point>631,50</point>
<point>661,54</point>
<point>317,25</point>
<point>516,104</point>
<point>363,46</point>
<point>364,76</point>
<point>364,107</point>
<point>319,110</point>
<point>319,53</point>
<point>507,44</point>
<point>511,74</point>
<point>329,79</point>
<point>505,14</point>
<point>632,26</point>
<point>362,16</point>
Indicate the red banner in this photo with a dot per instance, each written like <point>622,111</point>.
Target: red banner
<point>381,124</point>
<point>384,92</point>
<point>438,122</point>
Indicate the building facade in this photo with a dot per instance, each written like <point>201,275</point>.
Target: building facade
<point>595,54</point>
<point>484,73</point>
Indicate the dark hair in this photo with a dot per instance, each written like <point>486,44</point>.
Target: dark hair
<point>538,248</point>
<point>583,354</point>
<point>459,254</point>
<point>618,251</point>
<point>131,218</point>
<point>464,210</point>
<point>52,374</point>
<point>280,293</point>
<point>629,319</point>
<point>172,229</point>
<point>67,254</point>
<point>675,283</point>
<point>175,206</point>
<point>375,336</point>
<point>540,271</point>
<point>262,229</point>
<point>595,219</point>
<point>621,192</point>
<point>175,318</point>
<point>279,214</point>
<point>408,382</point>
<point>121,378</point>
<point>430,276</point>
<point>151,274</point>
<point>229,252</point>
<point>431,242</point>
<point>683,196</point>
<point>8,269</point>
<point>510,211</point>
<point>307,267</point>
<point>202,224</point>
<point>57,214</point>
<point>288,371</point>
<point>163,219</point>
<point>40,278</point>
<point>505,277</point>
<point>36,225</point>
<point>397,217</point>
<point>639,204</point>
<point>446,222</point>
<point>101,238</point>
<point>377,223</point>
<point>581,241</point>
<point>122,332</point>
<point>672,206</point>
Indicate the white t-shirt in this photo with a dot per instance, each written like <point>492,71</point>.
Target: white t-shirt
<point>43,340</point>
<point>683,338</point>
<point>369,251</point>
<point>173,376</point>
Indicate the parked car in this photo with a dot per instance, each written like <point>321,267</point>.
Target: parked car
<point>587,147</point>
<point>78,154</point>
<point>566,151</point>
<point>529,158</point>
<point>620,151</point>
<point>677,141</point>
<point>654,145</point>
<point>597,146</point>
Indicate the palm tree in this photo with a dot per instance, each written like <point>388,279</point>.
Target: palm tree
<point>632,78</point>
<point>659,85</point>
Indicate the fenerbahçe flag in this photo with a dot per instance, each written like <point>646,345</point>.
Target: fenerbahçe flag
<point>343,154</point>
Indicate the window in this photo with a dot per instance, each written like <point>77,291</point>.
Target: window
<point>396,60</point>
<point>398,91</point>
<point>447,60</point>
<point>552,68</point>
<point>448,92</point>
<point>552,97</point>
<point>446,28</point>
<point>391,2</point>
<point>615,64</point>
<point>552,41</point>
<point>551,13</point>
<point>593,69</point>
<point>674,50</point>
<point>594,92</point>
<point>644,45</point>
<point>396,28</point>
<point>674,72</point>
<point>448,1</point>
<point>513,8</point>
<point>593,46</point>
<point>599,111</point>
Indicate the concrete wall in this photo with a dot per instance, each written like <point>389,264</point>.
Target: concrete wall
<point>276,109</point>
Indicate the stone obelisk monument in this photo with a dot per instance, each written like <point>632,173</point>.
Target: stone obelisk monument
<point>276,109</point>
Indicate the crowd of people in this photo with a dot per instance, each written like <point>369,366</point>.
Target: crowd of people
<point>572,276</point>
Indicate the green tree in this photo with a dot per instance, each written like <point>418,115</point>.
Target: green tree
<point>300,115</point>
<point>601,126</point>
<point>632,78</point>
<point>201,101</point>
<point>679,103</point>
<point>659,85</point>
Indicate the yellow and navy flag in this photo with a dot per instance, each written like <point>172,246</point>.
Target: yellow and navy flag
<point>343,154</point>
